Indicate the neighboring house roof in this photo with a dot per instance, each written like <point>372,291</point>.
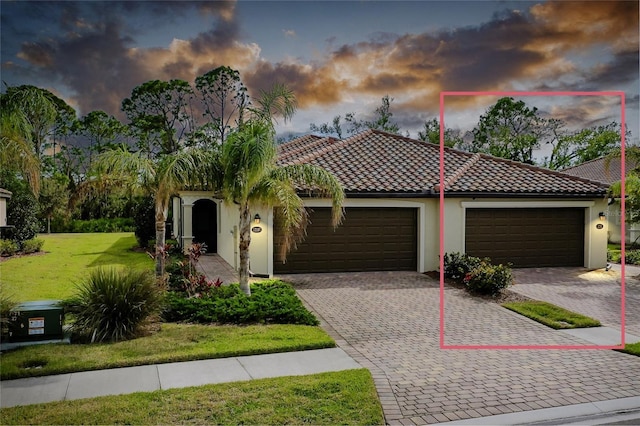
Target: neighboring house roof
<point>4,193</point>
<point>597,170</point>
<point>377,162</point>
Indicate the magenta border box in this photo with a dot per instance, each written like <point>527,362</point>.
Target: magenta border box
<point>622,214</point>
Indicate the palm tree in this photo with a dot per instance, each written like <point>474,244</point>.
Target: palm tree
<point>251,177</point>
<point>160,177</point>
<point>16,149</point>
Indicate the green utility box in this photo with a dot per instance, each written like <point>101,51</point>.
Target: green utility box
<point>31,321</point>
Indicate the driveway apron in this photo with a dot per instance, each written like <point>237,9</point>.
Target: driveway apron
<point>594,293</point>
<point>389,322</point>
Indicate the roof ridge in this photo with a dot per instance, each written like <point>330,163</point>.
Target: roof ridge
<point>459,173</point>
<point>544,170</point>
<point>593,160</point>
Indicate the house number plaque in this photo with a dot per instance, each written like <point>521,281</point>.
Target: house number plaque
<point>256,229</point>
<point>599,226</point>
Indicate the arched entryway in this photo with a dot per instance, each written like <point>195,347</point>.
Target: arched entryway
<point>205,224</point>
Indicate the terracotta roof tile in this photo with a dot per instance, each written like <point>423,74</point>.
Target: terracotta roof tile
<point>378,162</point>
<point>598,171</point>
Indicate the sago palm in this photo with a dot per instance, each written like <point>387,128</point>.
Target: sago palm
<point>250,177</point>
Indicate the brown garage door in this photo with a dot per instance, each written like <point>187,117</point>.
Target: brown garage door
<point>369,239</point>
<point>527,237</point>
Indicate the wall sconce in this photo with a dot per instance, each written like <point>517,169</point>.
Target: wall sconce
<point>602,216</point>
<point>256,218</point>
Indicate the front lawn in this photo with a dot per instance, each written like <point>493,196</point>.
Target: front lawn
<point>68,257</point>
<point>551,315</point>
<point>172,343</point>
<point>344,397</point>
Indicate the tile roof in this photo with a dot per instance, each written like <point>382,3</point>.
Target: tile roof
<point>597,170</point>
<point>377,162</point>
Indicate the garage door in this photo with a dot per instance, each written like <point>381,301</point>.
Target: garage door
<point>526,237</point>
<point>369,239</point>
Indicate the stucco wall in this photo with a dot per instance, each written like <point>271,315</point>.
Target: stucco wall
<point>3,211</point>
<point>261,249</point>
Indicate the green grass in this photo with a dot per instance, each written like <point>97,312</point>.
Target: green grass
<point>632,348</point>
<point>551,315</point>
<point>175,342</point>
<point>68,258</point>
<point>345,397</point>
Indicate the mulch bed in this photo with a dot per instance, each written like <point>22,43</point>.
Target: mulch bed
<point>16,256</point>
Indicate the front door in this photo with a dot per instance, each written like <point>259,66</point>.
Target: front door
<point>205,224</point>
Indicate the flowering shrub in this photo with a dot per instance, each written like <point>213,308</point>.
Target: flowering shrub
<point>488,279</point>
<point>458,265</point>
<point>184,276</point>
<point>478,275</point>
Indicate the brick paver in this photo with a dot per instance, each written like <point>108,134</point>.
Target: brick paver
<point>593,293</point>
<point>389,322</point>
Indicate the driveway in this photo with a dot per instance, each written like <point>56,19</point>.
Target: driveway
<point>389,322</point>
<point>593,293</point>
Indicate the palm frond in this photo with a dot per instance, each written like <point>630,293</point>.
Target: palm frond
<point>16,149</point>
<point>319,182</point>
<point>279,101</point>
<point>247,156</point>
<point>291,216</point>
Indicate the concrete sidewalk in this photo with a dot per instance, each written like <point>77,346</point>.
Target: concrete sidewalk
<point>148,378</point>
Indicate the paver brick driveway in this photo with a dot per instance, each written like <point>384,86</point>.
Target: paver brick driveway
<point>389,322</point>
<point>593,293</point>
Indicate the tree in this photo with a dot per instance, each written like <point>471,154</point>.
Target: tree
<point>251,177</point>
<point>101,130</point>
<point>632,182</point>
<point>45,113</point>
<point>509,129</point>
<point>583,145</point>
<point>53,198</point>
<point>352,125</point>
<point>160,112</point>
<point>224,97</point>
<point>431,133</point>
<point>16,151</point>
<point>159,177</point>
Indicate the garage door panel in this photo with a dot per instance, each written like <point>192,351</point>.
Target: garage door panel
<point>369,239</point>
<point>527,237</point>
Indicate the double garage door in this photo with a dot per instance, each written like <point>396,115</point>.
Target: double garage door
<point>369,239</point>
<point>526,237</point>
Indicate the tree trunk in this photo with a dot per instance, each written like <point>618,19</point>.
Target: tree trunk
<point>48,224</point>
<point>160,227</point>
<point>245,240</point>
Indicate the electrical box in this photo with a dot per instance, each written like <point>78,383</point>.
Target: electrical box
<point>41,320</point>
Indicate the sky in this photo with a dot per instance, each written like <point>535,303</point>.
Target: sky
<point>338,57</point>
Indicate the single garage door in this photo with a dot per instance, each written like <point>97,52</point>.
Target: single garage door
<point>369,239</point>
<point>526,237</point>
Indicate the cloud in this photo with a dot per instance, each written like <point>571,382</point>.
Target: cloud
<point>312,85</point>
<point>289,33</point>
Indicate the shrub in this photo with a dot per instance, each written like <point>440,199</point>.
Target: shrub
<point>100,225</point>
<point>22,211</point>
<point>112,304</point>
<point>632,257</point>
<point>614,256</point>
<point>8,247</point>
<point>7,303</point>
<point>145,221</point>
<point>458,265</point>
<point>32,246</point>
<point>270,302</point>
<point>488,279</point>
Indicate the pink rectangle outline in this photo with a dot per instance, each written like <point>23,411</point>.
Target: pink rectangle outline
<point>622,215</point>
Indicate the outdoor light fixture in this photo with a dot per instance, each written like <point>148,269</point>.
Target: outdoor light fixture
<point>602,216</point>
<point>256,218</point>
